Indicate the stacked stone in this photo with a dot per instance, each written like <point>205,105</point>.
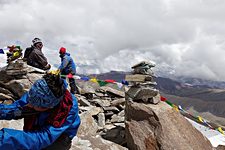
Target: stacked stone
<point>16,78</point>
<point>16,69</point>
<point>103,114</point>
<point>142,84</point>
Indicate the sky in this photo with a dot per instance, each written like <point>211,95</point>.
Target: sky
<point>182,37</point>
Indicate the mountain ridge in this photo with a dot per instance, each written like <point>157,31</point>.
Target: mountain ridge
<point>203,97</point>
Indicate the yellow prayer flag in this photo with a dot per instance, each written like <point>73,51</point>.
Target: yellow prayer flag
<point>175,108</point>
<point>94,80</point>
<point>56,72</point>
<point>220,130</point>
<point>15,54</point>
<point>200,119</point>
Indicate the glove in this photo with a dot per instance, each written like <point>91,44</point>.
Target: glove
<point>56,72</point>
<point>47,67</point>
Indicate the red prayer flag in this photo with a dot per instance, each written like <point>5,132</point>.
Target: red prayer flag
<point>110,81</point>
<point>163,98</point>
<point>69,75</point>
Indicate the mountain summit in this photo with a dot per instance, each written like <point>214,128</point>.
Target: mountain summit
<point>109,120</point>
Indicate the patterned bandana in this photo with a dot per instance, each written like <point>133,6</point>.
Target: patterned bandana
<point>41,96</point>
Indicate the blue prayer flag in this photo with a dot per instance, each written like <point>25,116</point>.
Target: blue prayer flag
<point>85,78</point>
<point>1,51</point>
<point>125,82</point>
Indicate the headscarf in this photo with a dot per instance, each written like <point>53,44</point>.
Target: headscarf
<point>41,96</point>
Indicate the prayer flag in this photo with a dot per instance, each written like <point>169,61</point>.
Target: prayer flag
<point>16,54</point>
<point>94,80</point>
<point>125,82</point>
<point>220,130</point>
<point>120,85</point>
<point>62,75</point>
<point>77,77</point>
<point>5,48</point>
<point>1,51</point>
<point>162,98</point>
<point>69,75</point>
<point>101,83</point>
<point>200,119</point>
<point>175,108</point>
<point>110,81</point>
<point>85,78</point>
<point>56,72</point>
<point>169,103</point>
<point>179,107</point>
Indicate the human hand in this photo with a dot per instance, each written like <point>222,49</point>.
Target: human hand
<point>48,66</point>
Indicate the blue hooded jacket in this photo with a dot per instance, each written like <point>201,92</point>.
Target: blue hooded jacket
<point>67,65</point>
<point>39,139</point>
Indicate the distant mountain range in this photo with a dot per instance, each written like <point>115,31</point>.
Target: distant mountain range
<point>201,82</point>
<point>203,96</point>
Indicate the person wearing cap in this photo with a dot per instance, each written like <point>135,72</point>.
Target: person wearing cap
<point>50,115</point>
<point>67,67</point>
<point>34,56</point>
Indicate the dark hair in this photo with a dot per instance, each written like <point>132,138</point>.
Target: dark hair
<point>55,84</point>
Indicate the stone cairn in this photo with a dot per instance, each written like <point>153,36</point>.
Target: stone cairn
<point>16,78</point>
<point>155,127</point>
<point>142,84</point>
<point>101,108</point>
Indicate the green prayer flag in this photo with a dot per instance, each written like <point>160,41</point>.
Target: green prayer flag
<point>101,83</point>
<point>63,75</point>
<point>169,103</point>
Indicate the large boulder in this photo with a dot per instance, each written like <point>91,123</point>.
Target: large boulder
<point>88,142</point>
<point>154,127</point>
<point>220,147</point>
<point>88,125</point>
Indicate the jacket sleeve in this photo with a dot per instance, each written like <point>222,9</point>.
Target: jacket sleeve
<point>40,58</point>
<point>64,63</point>
<point>13,111</point>
<point>17,139</point>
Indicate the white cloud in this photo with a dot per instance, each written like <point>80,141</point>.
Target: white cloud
<point>182,37</point>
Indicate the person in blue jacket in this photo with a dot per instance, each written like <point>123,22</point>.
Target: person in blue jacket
<point>66,67</point>
<point>50,115</point>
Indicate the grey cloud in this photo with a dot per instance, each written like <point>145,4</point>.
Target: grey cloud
<point>181,37</point>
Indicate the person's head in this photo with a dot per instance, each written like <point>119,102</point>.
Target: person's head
<point>37,43</point>
<point>62,51</point>
<point>46,93</point>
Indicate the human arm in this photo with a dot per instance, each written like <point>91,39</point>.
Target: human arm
<point>41,60</point>
<point>64,63</point>
<point>13,111</point>
<point>16,139</point>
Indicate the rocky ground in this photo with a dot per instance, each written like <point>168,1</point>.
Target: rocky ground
<point>111,119</point>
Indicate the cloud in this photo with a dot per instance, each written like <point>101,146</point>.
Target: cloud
<point>181,37</point>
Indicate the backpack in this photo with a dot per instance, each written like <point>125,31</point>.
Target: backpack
<point>27,52</point>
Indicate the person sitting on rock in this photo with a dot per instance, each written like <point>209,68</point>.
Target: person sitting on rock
<point>67,67</point>
<point>50,115</point>
<point>34,56</point>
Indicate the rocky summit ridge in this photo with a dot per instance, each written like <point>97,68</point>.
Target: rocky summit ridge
<point>114,119</point>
